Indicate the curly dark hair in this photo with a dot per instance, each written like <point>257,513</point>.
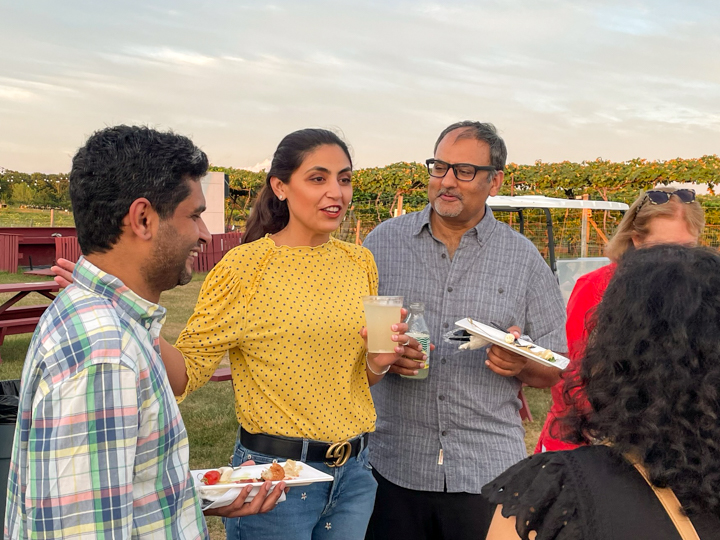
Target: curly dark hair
<point>651,371</point>
<point>120,164</point>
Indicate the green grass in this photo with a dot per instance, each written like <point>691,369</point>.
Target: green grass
<point>14,216</point>
<point>209,413</point>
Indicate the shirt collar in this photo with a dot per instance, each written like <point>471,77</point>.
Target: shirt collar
<point>482,229</point>
<point>88,276</point>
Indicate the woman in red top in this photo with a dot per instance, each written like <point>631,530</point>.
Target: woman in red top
<point>659,216</point>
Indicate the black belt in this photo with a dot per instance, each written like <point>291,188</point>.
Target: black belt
<point>333,454</point>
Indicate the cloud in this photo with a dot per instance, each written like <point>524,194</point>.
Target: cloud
<point>562,79</point>
<point>160,55</point>
<point>13,93</point>
<point>261,166</point>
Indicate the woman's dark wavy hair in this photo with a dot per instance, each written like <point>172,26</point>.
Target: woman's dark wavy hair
<point>651,371</point>
<point>269,214</point>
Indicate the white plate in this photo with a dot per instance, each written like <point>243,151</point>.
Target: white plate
<point>219,495</point>
<point>497,337</point>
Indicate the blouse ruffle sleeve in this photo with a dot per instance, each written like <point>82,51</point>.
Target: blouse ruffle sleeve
<point>372,271</point>
<point>540,493</point>
<point>363,257</point>
<point>215,324</point>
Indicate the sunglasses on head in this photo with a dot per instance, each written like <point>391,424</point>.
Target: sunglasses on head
<point>661,197</point>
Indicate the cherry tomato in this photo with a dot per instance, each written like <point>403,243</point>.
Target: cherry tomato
<point>211,477</point>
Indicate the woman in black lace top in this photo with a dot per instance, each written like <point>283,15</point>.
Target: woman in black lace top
<point>652,375</point>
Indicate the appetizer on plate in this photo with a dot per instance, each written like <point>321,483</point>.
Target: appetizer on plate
<point>275,473</point>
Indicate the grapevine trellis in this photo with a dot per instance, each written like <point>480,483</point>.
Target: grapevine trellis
<point>379,191</point>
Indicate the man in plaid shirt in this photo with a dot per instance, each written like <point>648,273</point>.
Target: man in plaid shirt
<point>100,447</point>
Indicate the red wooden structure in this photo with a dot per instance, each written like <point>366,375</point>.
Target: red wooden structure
<point>67,247</point>
<point>37,244</point>
<point>9,252</point>
<point>23,319</point>
<point>212,252</point>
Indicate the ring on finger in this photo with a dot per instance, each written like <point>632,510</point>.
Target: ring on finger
<point>406,343</point>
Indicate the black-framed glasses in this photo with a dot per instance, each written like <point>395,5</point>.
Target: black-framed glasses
<point>465,172</point>
<point>655,196</point>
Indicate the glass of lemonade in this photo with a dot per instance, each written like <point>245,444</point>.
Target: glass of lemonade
<point>381,312</point>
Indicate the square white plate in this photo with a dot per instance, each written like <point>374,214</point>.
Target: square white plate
<point>497,337</point>
<point>219,495</point>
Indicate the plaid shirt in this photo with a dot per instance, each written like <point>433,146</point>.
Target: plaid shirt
<point>100,447</point>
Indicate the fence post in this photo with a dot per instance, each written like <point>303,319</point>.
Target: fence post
<point>399,211</point>
<point>357,233</point>
<point>585,226</point>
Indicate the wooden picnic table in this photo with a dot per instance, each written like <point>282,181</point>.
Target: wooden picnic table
<point>23,319</point>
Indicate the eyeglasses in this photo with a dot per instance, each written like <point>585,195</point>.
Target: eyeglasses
<point>661,197</point>
<point>464,172</point>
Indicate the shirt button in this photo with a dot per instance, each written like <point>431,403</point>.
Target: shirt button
<point>449,289</point>
<point>501,290</point>
<point>444,433</point>
<point>443,256</point>
<point>443,361</point>
<point>445,325</point>
<point>441,398</point>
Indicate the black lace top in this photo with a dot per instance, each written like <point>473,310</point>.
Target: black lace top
<point>586,494</point>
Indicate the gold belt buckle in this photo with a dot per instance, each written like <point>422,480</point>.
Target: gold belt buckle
<point>338,454</point>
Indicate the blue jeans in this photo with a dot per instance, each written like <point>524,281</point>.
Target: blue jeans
<point>338,510</point>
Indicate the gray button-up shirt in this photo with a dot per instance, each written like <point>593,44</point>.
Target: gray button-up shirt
<point>495,276</point>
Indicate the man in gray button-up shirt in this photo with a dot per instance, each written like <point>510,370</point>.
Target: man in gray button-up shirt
<point>439,440</point>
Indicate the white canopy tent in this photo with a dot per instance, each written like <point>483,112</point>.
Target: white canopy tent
<point>520,203</point>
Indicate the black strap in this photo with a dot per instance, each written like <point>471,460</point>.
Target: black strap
<point>287,448</point>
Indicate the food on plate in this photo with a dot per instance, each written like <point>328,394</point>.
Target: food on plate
<point>225,474</point>
<point>274,473</point>
<point>211,478</point>
<point>545,354</point>
<point>292,468</point>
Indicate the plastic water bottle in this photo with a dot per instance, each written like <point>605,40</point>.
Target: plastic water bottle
<point>418,329</point>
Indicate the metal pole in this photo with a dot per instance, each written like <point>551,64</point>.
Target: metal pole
<point>551,240</point>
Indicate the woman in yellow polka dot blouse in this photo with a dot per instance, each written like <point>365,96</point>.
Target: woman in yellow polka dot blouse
<point>286,305</point>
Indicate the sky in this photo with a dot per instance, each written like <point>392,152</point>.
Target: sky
<point>562,80</point>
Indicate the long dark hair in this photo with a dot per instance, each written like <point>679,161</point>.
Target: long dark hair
<point>269,214</point>
<point>651,371</point>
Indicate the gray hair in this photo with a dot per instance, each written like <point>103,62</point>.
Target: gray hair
<point>480,131</point>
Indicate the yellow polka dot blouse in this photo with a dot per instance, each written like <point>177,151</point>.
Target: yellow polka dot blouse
<point>290,319</point>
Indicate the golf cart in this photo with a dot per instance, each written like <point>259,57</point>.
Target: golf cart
<point>566,270</point>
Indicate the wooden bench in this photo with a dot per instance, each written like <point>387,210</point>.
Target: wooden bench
<point>23,319</point>
<point>221,374</point>
<point>17,326</point>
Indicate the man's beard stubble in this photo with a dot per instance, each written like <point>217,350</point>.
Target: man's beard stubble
<point>438,202</point>
<point>168,266</point>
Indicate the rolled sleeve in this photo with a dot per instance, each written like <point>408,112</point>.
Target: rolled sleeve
<point>81,453</point>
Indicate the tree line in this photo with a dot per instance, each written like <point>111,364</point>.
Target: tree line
<point>377,189</point>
